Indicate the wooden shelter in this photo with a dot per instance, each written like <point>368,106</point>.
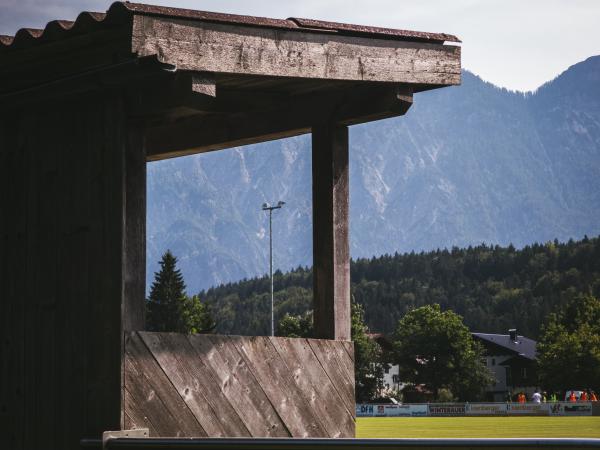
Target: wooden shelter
<point>83,106</point>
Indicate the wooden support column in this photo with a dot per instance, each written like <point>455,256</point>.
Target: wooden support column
<point>331,250</point>
<point>134,247</point>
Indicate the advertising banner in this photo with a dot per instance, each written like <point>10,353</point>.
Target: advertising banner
<point>418,410</point>
<point>364,410</point>
<point>532,409</point>
<point>450,409</point>
<point>486,409</point>
<point>577,409</point>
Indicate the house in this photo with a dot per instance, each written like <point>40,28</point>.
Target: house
<point>391,372</point>
<point>512,360</point>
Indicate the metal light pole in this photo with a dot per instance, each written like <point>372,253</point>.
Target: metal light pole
<point>268,207</point>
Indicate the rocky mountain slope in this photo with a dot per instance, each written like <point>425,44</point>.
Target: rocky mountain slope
<point>465,165</point>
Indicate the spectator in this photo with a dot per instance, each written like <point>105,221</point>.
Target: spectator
<point>593,397</point>
<point>537,397</point>
<point>572,397</point>
<point>583,397</point>
<point>553,397</point>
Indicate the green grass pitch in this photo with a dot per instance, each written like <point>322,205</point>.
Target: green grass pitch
<point>477,427</point>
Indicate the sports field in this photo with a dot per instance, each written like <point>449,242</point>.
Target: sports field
<point>477,427</point>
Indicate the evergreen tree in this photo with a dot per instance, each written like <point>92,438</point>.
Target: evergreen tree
<point>493,288</point>
<point>167,303</point>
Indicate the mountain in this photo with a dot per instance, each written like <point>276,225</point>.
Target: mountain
<point>466,165</point>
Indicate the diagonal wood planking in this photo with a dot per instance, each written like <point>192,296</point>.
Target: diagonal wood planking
<point>235,386</point>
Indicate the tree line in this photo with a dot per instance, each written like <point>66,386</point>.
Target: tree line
<point>493,288</point>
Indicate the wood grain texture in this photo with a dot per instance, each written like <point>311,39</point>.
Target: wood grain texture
<point>62,216</point>
<point>201,46</point>
<point>331,248</point>
<point>236,386</point>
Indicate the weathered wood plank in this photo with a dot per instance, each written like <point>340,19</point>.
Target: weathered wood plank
<point>274,377</point>
<point>201,46</point>
<point>195,384</point>
<point>75,153</point>
<point>134,248</point>
<point>43,277</point>
<point>14,197</point>
<point>155,395</point>
<point>312,379</point>
<point>338,374</point>
<point>239,385</point>
<point>331,249</point>
<point>29,292</point>
<point>134,417</point>
<point>105,292</point>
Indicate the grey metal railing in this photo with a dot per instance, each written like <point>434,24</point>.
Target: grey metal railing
<point>338,444</point>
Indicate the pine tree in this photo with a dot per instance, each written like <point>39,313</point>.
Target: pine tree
<point>167,301</point>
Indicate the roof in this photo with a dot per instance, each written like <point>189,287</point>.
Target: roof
<point>523,347</point>
<point>120,12</point>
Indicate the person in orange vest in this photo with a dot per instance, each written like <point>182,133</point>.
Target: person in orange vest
<point>583,397</point>
<point>522,398</point>
<point>593,397</point>
<point>572,397</point>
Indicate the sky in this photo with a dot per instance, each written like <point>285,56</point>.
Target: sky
<point>516,44</point>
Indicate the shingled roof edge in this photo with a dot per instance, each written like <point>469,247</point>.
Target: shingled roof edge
<point>120,9</point>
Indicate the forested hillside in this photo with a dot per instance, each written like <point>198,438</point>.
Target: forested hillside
<point>494,288</point>
<point>465,165</point>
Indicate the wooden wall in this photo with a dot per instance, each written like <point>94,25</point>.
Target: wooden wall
<point>233,386</point>
<point>67,246</point>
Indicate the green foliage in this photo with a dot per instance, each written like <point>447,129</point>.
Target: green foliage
<point>493,288</point>
<point>368,369</point>
<point>197,317</point>
<point>434,348</point>
<point>168,308</point>
<point>569,348</point>
<point>300,326</point>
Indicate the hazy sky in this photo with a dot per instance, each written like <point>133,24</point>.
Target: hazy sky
<point>518,44</point>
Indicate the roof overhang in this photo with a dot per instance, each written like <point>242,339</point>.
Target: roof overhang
<point>232,79</point>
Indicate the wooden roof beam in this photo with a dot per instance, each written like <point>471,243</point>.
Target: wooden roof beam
<point>203,133</point>
<point>238,49</point>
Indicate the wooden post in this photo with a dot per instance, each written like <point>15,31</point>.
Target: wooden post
<point>331,251</point>
<point>134,247</point>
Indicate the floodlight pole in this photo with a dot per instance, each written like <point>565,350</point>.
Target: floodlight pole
<point>267,207</point>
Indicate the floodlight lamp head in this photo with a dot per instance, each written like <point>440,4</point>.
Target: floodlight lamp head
<point>280,203</point>
<point>265,206</point>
